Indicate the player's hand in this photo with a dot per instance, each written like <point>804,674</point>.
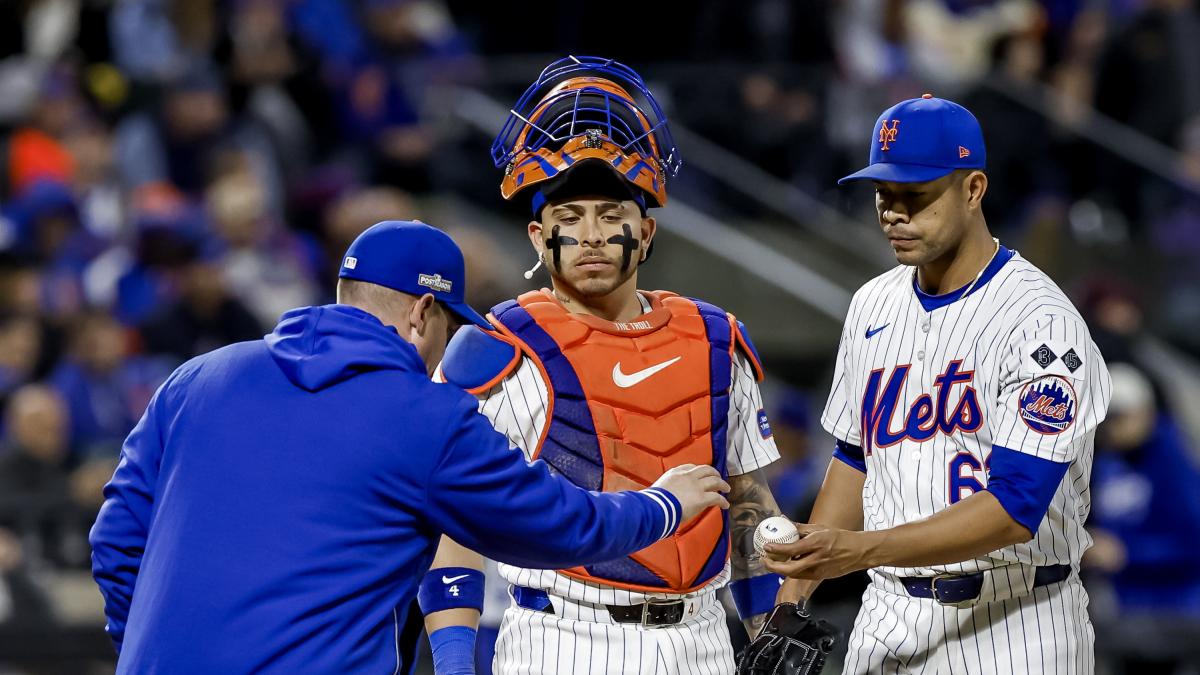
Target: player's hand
<point>696,487</point>
<point>821,553</point>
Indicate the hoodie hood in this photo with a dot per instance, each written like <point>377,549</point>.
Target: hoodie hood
<point>317,347</point>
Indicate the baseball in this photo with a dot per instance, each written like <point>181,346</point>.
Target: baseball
<point>774,530</point>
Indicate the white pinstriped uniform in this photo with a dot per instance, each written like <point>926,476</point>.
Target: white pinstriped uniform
<point>579,637</point>
<point>997,334</point>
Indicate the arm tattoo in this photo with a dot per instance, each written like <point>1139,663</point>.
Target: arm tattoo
<point>750,503</point>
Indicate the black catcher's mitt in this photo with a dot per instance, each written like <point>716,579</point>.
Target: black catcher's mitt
<point>791,643</point>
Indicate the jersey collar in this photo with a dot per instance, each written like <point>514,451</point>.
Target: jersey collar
<point>932,302</point>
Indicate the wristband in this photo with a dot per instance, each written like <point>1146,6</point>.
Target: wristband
<point>755,595</point>
<point>453,650</point>
<point>451,588</point>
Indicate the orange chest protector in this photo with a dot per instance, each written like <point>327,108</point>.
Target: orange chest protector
<point>627,402</point>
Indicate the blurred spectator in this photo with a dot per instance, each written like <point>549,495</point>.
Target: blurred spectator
<point>22,602</point>
<point>1015,132</point>
<point>35,149</point>
<point>797,476</point>
<point>153,40</point>
<point>34,478</point>
<point>267,267</point>
<point>275,80</point>
<point>950,41</point>
<point>204,317</point>
<point>1146,523</point>
<point>1149,76</point>
<point>181,141</point>
<point>95,182</point>
<point>49,230</point>
<point>104,387</point>
<point>169,233</point>
<point>20,349</point>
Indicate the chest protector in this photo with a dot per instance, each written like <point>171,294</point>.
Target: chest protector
<point>627,402</point>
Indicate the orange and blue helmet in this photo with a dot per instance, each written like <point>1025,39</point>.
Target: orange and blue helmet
<point>587,108</point>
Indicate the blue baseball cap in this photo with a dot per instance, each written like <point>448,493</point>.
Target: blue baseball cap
<point>923,139</point>
<point>414,258</point>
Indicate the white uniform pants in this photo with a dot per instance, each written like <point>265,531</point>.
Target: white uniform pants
<point>1047,631</point>
<point>538,643</point>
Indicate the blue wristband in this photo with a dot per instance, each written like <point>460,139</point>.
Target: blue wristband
<point>453,650</point>
<point>755,595</point>
<point>451,588</point>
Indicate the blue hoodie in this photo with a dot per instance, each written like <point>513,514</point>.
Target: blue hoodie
<point>277,504</point>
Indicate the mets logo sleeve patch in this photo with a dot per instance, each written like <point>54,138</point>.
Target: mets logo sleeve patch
<point>1047,405</point>
<point>1054,388</point>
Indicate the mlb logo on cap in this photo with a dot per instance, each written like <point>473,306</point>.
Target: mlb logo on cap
<point>923,139</point>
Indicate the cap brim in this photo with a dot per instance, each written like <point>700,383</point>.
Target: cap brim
<point>467,315</point>
<point>898,173</point>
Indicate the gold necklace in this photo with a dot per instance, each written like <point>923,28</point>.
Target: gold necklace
<point>982,270</point>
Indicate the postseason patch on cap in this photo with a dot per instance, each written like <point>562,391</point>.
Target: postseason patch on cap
<point>1047,405</point>
<point>435,281</point>
<point>764,426</point>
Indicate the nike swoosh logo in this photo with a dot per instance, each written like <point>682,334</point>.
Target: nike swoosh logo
<point>450,580</point>
<point>625,381</point>
<point>871,332</point>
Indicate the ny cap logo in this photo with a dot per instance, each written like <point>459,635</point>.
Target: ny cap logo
<point>435,281</point>
<point>888,135</point>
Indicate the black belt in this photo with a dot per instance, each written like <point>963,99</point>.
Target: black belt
<point>954,588</point>
<point>646,613</point>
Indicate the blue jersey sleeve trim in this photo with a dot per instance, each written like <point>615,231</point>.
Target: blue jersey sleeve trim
<point>476,360</point>
<point>850,454</point>
<point>755,595</point>
<point>672,509</point>
<point>1024,484</point>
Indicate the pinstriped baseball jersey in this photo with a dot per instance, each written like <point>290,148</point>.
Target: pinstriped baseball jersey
<point>927,386</point>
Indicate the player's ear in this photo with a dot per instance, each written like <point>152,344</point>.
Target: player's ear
<point>975,185</point>
<point>421,312</point>
<point>649,228</point>
<point>536,238</point>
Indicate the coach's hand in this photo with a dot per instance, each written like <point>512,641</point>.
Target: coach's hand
<point>821,553</point>
<point>696,487</point>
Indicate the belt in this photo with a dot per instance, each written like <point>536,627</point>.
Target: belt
<point>654,613</point>
<point>949,589</point>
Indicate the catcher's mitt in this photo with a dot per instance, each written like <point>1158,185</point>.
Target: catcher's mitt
<point>791,643</point>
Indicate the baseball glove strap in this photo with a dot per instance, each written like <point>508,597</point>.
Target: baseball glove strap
<point>791,643</point>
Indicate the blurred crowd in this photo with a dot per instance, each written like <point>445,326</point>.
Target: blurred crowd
<point>174,174</point>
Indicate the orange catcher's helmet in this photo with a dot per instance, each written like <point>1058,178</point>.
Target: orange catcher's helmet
<point>587,108</point>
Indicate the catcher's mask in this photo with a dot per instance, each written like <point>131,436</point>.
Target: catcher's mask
<point>587,108</point>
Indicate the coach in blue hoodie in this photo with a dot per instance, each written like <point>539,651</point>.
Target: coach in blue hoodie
<point>278,502</point>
